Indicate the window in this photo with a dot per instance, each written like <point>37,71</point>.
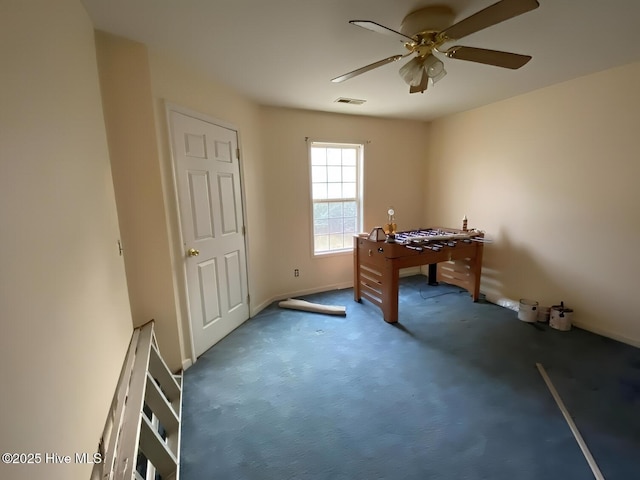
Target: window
<point>336,194</point>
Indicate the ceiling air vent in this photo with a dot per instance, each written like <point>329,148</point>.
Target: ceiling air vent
<point>352,101</point>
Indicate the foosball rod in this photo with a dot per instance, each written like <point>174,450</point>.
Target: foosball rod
<point>481,240</point>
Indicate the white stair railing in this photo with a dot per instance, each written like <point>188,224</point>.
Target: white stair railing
<point>141,438</point>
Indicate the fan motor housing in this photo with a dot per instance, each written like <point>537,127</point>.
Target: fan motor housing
<point>429,19</point>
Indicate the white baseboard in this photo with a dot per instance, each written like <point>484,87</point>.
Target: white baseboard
<point>309,291</point>
<point>255,310</point>
<point>186,364</point>
<point>405,272</point>
<point>634,342</point>
<point>411,271</point>
<point>603,332</point>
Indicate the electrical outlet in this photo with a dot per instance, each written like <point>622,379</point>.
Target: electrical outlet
<point>296,272</point>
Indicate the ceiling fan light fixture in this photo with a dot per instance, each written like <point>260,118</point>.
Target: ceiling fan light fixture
<point>414,69</point>
<point>435,68</point>
<point>439,76</point>
<point>411,72</point>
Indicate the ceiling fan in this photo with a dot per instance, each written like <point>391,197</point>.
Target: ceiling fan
<point>425,31</point>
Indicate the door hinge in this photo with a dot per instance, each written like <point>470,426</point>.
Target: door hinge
<point>248,298</point>
<point>238,153</point>
<point>244,230</point>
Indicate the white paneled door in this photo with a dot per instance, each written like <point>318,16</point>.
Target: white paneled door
<point>207,172</point>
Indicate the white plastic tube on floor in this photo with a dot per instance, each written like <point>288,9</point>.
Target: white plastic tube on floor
<point>574,429</point>
<point>295,304</point>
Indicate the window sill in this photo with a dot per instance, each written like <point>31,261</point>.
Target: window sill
<point>333,253</point>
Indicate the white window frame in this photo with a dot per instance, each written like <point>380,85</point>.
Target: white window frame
<point>348,243</point>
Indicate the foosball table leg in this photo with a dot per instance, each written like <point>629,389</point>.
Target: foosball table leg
<point>390,286</point>
<point>433,274</point>
<point>477,273</point>
<point>356,270</point>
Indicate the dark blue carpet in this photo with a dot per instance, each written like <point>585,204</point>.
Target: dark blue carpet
<point>452,392</point>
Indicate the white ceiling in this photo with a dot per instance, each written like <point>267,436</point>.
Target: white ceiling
<point>284,52</point>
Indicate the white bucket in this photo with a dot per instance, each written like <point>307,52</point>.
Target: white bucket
<point>561,317</point>
<point>528,311</point>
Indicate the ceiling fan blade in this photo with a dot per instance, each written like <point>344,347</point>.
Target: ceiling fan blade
<point>362,70</point>
<point>488,57</point>
<point>376,27</point>
<point>496,13</point>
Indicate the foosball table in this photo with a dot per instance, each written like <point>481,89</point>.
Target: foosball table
<point>378,260</point>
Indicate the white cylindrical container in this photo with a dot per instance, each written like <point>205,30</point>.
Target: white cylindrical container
<point>561,317</point>
<point>528,311</point>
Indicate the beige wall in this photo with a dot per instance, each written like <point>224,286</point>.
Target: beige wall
<point>393,171</point>
<point>129,117</point>
<point>552,176</point>
<point>65,321</point>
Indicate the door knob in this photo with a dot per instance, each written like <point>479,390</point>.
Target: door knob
<point>192,252</point>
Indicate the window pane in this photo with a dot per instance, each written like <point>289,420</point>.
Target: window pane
<point>334,156</point>
<point>335,225</point>
<point>334,174</point>
<point>320,191</point>
<point>349,156</point>
<point>334,190</point>
<point>349,190</point>
<point>321,227</point>
<point>348,174</point>
<point>321,243</point>
<point>319,174</point>
<point>350,225</point>
<point>335,210</point>
<point>320,210</point>
<point>350,209</point>
<point>318,156</point>
<point>336,241</point>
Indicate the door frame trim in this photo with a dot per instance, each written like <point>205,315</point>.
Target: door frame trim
<point>177,250</point>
